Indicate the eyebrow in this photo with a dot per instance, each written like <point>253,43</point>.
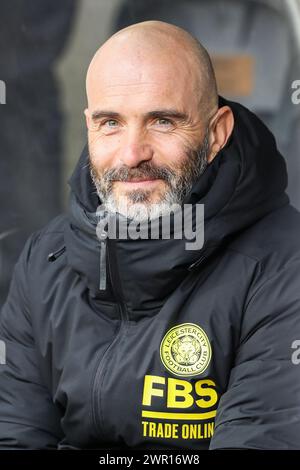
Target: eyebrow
<point>166,112</point>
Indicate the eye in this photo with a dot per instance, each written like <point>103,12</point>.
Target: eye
<point>164,121</point>
<point>109,126</point>
<point>110,123</point>
<point>163,124</point>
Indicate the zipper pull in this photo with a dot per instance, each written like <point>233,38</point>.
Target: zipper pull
<point>196,263</point>
<point>103,242</point>
<point>56,254</point>
<point>208,251</point>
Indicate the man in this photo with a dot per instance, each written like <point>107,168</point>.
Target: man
<point>140,342</point>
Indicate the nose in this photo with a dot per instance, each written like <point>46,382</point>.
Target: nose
<point>134,148</point>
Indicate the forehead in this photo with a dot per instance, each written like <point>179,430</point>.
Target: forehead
<point>141,81</point>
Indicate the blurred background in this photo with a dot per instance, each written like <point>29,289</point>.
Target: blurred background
<point>45,49</point>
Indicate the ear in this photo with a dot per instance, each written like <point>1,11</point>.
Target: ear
<point>220,129</point>
<point>87,117</point>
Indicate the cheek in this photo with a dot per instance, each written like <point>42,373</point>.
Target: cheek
<point>103,151</point>
<point>171,151</point>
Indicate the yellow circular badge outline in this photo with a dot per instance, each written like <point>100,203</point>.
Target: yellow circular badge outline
<point>208,343</point>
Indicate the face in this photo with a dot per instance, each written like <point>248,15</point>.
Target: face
<point>148,140</point>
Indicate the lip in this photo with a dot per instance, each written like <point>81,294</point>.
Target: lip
<point>140,182</point>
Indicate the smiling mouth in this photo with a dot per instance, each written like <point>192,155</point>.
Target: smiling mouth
<point>140,181</point>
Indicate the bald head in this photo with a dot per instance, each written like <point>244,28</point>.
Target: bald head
<point>155,47</point>
<point>153,118</point>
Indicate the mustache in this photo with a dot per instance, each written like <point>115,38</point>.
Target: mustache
<point>144,170</point>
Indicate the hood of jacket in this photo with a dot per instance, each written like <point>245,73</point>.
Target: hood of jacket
<point>244,182</point>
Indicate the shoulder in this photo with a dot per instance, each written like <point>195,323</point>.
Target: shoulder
<point>273,294</point>
<point>42,242</point>
<point>273,241</point>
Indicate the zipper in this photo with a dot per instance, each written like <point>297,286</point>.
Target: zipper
<point>109,257</point>
<point>196,263</point>
<point>103,245</point>
<point>209,249</point>
<point>56,254</point>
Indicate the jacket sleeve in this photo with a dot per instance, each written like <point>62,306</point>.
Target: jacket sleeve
<point>28,417</point>
<point>261,406</point>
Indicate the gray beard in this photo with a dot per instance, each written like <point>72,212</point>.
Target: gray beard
<point>136,204</point>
